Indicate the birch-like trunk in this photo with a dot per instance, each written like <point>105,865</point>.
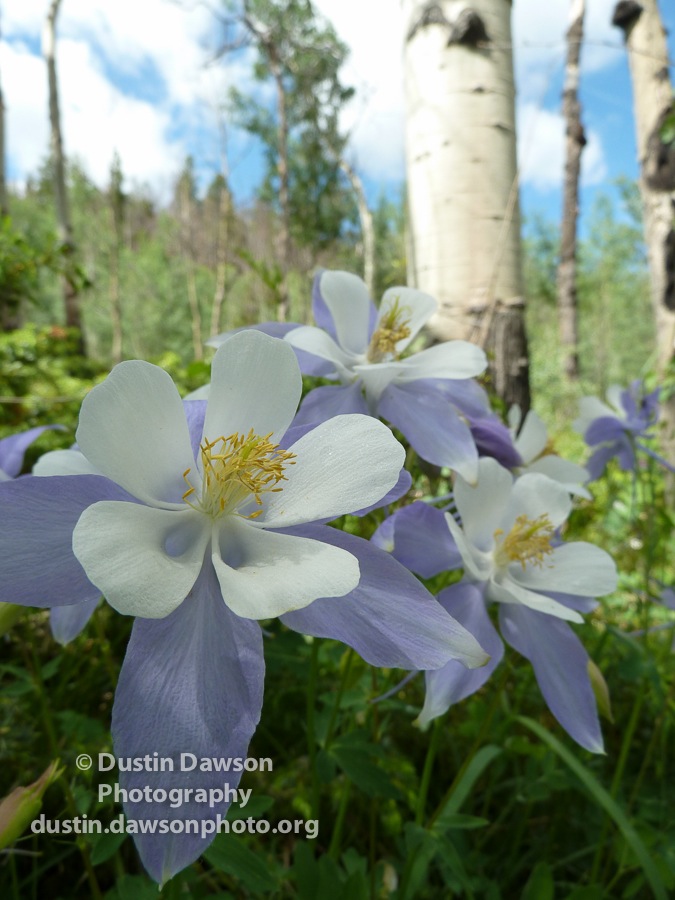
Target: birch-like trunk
<point>652,103</point>
<point>367,227</point>
<point>186,209</point>
<point>65,229</point>
<point>9,311</point>
<point>575,141</point>
<point>462,179</point>
<point>223,237</point>
<point>284,237</point>
<point>4,205</point>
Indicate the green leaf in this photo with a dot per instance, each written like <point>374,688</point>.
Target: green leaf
<point>481,760</point>
<point>606,801</point>
<point>540,884</point>
<point>106,846</point>
<point>588,892</point>
<point>356,757</point>
<point>448,821</point>
<point>229,854</point>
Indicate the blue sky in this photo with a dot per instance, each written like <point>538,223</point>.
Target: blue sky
<point>134,78</point>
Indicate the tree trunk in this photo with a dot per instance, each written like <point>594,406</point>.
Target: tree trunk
<point>187,239</point>
<point>117,216</point>
<point>9,308</point>
<point>653,102</point>
<point>367,228</point>
<point>70,293</point>
<point>284,238</point>
<point>224,210</point>
<point>462,179</point>
<point>575,141</point>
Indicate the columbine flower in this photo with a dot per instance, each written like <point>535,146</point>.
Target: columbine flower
<point>511,556</point>
<point>13,449</point>
<point>363,349</point>
<point>66,622</point>
<point>525,448</point>
<point>614,430</point>
<point>533,446</point>
<point>201,522</point>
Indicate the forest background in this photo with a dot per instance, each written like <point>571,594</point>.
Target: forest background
<point>177,235</point>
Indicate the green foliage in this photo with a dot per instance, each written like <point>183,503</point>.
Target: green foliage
<point>299,56</point>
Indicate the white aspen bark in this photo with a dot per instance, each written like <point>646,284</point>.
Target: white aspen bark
<point>367,227</point>
<point>224,212</point>
<point>187,239</point>
<point>574,145</point>
<point>652,100</point>
<point>4,205</point>
<point>462,178</point>
<point>65,229</point>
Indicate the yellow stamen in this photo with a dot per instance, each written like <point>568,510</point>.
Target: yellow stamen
<point>235,468</point>
<point>393,328</point>
<point>529,541</point>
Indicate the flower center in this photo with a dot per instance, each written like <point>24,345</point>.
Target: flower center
<point>529,541</point>
<point>393,328</point>
<point>236,468</point>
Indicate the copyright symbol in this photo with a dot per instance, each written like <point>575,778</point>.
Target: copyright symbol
<point>83,762</point>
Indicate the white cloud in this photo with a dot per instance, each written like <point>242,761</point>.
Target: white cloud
<point>541,150</point>
<point>133,77</point>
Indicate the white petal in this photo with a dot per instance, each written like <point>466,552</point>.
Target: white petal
<point>321,344</point>
<point>576,568</point>
<point>482,508</point>
<point>514,417</point>
<point>510,591</point>
<point>591,408</point>
<point>264,574</point>
<point>346,296</point>
<point>64,462</point>
<point>569,474</point>
<point>613,394</point>
<point>200,393</point>
<point>537,495</point>
<point>133,430</point>
<point>532,438</point>
<point>143,560</point>
<point>255,383</point>
<point>452,359</point>
<point>341,466</point>
<point>476,564</point>
<point>417,308</point>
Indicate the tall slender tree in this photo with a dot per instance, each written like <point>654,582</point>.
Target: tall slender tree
<point>653,105</point>
<point>575,140</point>
<point>117,203</point>
<point>462,179</point>
<point>300,55</point>
<point>65,229</point>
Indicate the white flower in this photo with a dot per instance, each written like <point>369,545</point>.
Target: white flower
<point>532,445</point>
<point>507,542</point>
<point>369,348</point>
<point>219,495</point>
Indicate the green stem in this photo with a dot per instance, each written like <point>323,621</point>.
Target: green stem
<point>426,772</point>
<point>50,731</point>
<point>338,698</point>
<point>618,775</point>
<point>311,725</point>
<point>336,837</point>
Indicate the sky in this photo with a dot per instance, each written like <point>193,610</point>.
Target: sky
<point>138,77</point>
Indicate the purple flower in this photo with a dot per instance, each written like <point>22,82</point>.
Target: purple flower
<point>507,547</point>
<point>66,622</point>
<point>614,430</point>
<point>363,348</point>
<point>13,449</point>
<point>203,520</point>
